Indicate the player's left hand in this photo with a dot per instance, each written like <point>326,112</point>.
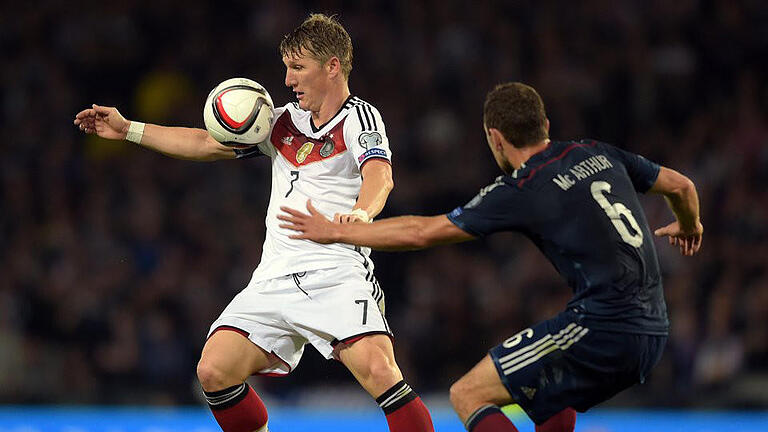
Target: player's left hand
<point>313,226</point>
<point>689,240</point>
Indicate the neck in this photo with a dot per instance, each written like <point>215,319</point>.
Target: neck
<point>330,105</point>
<point>518,156</point>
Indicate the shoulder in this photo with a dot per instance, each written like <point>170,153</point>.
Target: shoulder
<point>364,115</point>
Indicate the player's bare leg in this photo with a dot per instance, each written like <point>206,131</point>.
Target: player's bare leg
<point>477,396</point>
<point>229,358</point>
<point>372,362</point>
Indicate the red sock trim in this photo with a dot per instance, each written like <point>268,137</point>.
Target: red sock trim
<point>411,417</point>
<point>564,421</point>
<point>248,415</point>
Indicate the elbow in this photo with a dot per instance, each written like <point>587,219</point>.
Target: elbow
<point>388,184</point>
<point>684,187</point>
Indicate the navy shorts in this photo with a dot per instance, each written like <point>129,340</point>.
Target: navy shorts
<point>560,363</point>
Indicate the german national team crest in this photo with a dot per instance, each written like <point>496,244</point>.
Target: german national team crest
<point>304,151</point>
<point>327,147</point>
<point>369,140</point>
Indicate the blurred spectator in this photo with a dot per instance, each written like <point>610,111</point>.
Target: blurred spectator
<point>115,261</point>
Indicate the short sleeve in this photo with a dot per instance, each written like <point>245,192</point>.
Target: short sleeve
<point>641,171</point>
<point>264,148</point>
<point>365,133</point>
<point>495,208</point>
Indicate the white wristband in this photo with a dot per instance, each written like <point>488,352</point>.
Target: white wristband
<point>361,214</point>
<point>135,132</point>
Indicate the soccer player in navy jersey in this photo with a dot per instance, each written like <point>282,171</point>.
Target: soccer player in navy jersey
<point>577,201</point>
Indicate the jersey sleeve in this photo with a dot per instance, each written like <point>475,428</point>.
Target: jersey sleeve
<point>641,171</point>
<point>264,148</point>
<point>495,208</point>
<point>366,134</point>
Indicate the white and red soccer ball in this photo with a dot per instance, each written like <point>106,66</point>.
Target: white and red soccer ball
<point>238,113</point>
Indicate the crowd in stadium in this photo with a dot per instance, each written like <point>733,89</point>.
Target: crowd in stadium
<point>115,260</point>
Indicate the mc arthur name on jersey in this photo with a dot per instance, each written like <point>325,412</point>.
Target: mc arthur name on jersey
<point>582,170</point>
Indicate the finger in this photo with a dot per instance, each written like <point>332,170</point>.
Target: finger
<point>287,218</point>
<point>291,227</point>
<point>312,210</point>
<point>699,239</point>
<point>85,113</point>
<point>337,218</point>
<point>105,111</point>
<point>298,236</point>
<point>293,212</point>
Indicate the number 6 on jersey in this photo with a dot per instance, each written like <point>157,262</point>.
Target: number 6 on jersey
<point>615,212</point>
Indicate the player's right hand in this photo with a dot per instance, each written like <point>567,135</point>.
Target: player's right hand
<point>688,240</point>
<point>106,122</point>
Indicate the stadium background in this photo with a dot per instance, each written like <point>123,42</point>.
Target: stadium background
<point>114,260</point>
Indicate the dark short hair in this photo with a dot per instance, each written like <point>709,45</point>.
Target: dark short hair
<point>517,111</point>
<point>322,37</point>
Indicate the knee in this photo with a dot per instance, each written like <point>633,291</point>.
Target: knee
<point>458,394</point>
<point>212,377</point>
<point>383,370</point>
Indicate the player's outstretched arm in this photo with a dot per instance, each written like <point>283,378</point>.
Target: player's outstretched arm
<point>397,233</point>
<point>177,142</point>
<point>680,193</point>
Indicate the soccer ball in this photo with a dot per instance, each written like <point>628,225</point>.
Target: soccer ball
<point>238,113</point>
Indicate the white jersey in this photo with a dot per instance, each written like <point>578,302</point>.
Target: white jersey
<point>322,165</point>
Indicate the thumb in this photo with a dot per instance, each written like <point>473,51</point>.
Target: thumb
<point>663,231</point>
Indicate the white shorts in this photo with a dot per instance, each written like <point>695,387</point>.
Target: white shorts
<point>325,307</point>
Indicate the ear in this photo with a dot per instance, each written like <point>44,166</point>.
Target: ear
<point>546,127</point>
<point>496,138</point>
<point>333,66</point>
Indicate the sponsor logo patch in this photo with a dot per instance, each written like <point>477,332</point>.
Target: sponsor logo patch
<point>369,140</point>
<point>288,140</point>
<point>304,151</point>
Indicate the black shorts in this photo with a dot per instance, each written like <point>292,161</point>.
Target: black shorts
<point>560,363</point>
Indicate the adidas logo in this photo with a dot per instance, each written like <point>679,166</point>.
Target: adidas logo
<point>529,391</point>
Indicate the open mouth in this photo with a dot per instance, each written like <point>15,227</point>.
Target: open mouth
<point>299,95</point>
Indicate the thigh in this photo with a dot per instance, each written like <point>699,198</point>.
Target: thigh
<point>257,313</point>
<point>235,356</point>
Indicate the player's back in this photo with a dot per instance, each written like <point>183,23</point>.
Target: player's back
<point>577,202</point>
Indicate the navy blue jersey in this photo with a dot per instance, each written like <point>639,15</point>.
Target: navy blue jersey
<point>577,201</point>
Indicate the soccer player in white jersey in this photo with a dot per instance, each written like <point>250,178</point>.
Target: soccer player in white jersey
<point>331,147</point>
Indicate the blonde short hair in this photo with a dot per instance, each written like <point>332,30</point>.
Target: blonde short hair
<point>322,37</point>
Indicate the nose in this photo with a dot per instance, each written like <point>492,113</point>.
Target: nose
<point>290,81</point>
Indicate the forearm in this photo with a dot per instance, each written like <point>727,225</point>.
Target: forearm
<point>391,234</point>
<point>684,203</point>
<point>184,143</point>
<point>373,196</point>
